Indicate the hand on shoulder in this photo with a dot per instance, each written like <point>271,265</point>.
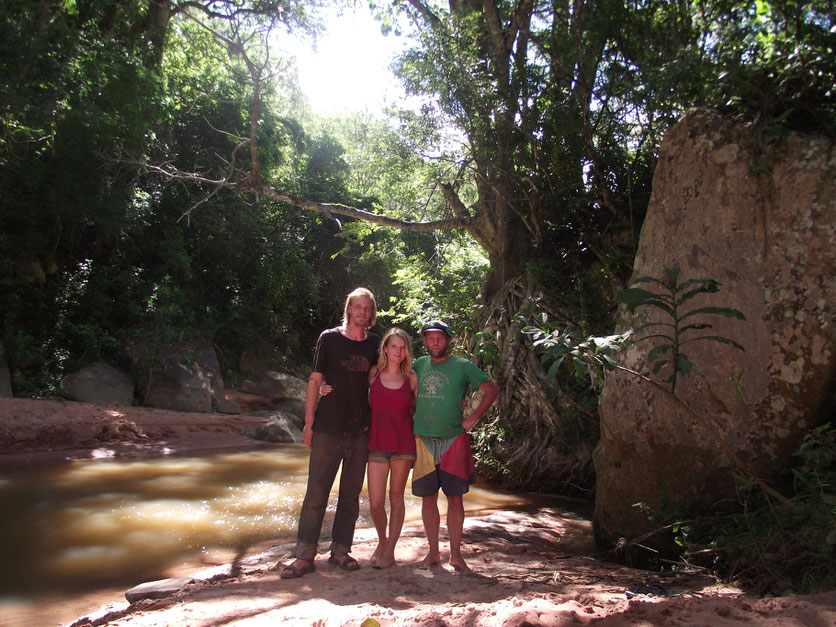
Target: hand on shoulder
<point>372,374</point>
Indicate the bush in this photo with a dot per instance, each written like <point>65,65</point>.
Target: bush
<point>768,548</point>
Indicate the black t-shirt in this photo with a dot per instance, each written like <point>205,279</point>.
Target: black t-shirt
<point>345,365</point>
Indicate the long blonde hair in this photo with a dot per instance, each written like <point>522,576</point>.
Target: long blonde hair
<point>360,291</point>
<point>383,358</point>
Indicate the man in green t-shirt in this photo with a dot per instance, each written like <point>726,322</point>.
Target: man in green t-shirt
<point>444,459</point>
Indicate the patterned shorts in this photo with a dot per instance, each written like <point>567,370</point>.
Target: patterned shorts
<point>443,463</point>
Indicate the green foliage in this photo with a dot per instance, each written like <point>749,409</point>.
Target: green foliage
<point>96,255</point>
<point>443,284</point>
<point>75,90</point>
<point>421,274</point>
<point>774,61</point>
<point>487,351</point>
<point>569,345</point>
<point>771,548</point>
<point>486,440</point>
<point>678,330</point>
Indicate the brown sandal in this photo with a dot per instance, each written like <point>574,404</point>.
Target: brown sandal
<point>348,563</point>
<point>289,572</point>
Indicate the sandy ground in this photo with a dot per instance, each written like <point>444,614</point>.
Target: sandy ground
<point>529,567</point>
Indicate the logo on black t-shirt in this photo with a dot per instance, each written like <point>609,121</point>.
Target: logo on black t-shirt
<point>356,363</point>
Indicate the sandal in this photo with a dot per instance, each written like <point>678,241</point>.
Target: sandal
<point>289,572</point>
<point>348,563</point>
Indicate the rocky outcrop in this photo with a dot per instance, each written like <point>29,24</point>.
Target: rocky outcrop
<point>277,386</point>
<point>276,391</point>
<point>99,383</point>
<point>757,214</point>
<point>157,589</point>
<point>184,378</point>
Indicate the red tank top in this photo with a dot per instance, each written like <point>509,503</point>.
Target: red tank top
<point>391,429</point>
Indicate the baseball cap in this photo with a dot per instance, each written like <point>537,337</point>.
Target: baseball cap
<point>437,325</point>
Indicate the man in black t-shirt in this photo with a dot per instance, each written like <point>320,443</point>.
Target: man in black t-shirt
<point>337,432</point>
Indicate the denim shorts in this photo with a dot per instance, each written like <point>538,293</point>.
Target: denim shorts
<point>385,456</point>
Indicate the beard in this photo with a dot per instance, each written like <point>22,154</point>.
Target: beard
<point>359,321</point>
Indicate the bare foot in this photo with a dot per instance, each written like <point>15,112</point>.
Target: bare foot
<point>378,554</point>
<point>385,561</point>
<point>459,565</point>
<point>431,560</point>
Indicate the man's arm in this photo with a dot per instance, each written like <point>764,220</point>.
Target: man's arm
<point>311,399</point>
<point>413,382</point>
<point>489,393</point>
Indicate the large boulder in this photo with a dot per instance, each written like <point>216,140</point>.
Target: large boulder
<point>277,386</point>
<point>184,378</point>
<point>758,215</point>
<point>99,383</point>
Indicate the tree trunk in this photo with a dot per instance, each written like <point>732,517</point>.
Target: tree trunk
<point>540,439</point>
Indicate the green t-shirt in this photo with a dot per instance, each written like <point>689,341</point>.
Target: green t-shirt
<point>441,388</point>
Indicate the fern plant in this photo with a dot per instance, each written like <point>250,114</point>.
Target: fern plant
<point>680,328</point>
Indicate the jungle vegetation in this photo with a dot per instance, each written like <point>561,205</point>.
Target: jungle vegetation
<point>162,180</point>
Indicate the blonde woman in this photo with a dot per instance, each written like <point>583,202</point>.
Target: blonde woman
<point>393,387</point>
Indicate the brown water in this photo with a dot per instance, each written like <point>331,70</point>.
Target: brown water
<point>78,534</point>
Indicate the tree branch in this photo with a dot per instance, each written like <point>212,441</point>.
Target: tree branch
<point>425,12</point>
<point>327,208</point>
<point>482,230</point>
<point>245,184</point>
<point>252,182</point>
<point>229,10</point>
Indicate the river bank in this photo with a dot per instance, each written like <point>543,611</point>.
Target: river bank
<point>55,430</point>
<point>535,567</point>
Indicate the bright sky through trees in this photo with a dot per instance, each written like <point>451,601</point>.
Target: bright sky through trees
<point>348,67</point>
